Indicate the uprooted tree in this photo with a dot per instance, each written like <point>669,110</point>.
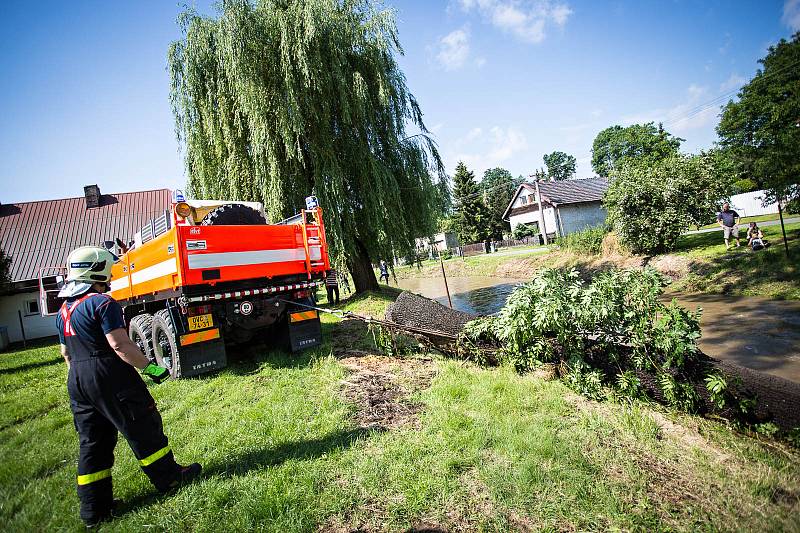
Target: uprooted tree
<point>276,100</point>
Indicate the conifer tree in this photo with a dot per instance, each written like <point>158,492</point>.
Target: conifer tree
<point>471,217</point>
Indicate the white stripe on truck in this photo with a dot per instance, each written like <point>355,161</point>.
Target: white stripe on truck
<point>164,268</point>
<point>254,257</point>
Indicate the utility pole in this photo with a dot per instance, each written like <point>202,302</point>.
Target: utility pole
<point>541,213</point>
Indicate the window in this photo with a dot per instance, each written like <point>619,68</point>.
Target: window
<point>31,307</point>
<point>523,200</point>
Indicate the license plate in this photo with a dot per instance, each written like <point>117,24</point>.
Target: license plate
<point>200,322</point>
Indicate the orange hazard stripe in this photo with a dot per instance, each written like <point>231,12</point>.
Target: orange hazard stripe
<point>302,315</point>
<point>200,336</point>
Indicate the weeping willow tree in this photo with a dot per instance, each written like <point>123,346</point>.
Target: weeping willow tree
<point>275,100</point>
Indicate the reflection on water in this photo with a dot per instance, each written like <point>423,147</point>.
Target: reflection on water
<point>477,295</point>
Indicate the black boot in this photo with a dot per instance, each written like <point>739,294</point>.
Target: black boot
<point>186,474</point>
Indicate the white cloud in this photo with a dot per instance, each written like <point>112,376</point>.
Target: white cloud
<point>454,49</point>
<point>525,19</point>
<point>481,150</point>
<point>560,14</point>
<point>692,113</point>
<point>734,82</point>
<point>791,14</point>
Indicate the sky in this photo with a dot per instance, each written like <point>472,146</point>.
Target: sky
<point>84,87</point>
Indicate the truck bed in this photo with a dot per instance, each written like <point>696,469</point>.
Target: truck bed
<point>207,255</point>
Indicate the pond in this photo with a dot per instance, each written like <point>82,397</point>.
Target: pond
<point>477,295</point>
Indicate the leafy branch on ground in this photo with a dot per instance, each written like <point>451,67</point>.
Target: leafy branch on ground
<point>610,338</point>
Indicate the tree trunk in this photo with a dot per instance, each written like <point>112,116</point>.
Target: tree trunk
<point>361,268</point>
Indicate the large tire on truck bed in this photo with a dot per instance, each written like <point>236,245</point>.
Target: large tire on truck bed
<point>233,215</point>
<point>165,343</point>
<point>141,333</point>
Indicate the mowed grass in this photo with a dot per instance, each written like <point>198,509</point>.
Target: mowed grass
<point>770,272</point>
<point>745,221</point>
<point>491,450</point>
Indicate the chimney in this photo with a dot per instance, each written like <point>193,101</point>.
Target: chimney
<point>92,194</point>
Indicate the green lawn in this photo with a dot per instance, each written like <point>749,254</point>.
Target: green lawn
<point>747,220</point>
<point>488,449</point>
<point>740,271</point>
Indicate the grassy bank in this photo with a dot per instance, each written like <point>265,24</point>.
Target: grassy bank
<point>283,450</point>
<point>699,264</point>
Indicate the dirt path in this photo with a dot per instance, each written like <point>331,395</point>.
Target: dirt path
<point>752,332</point>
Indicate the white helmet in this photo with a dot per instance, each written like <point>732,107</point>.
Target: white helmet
<point>87,265</point>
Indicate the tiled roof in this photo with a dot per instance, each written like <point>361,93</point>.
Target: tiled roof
<point>562,192</point>
<point>572,191</point>
<point>41,234</point>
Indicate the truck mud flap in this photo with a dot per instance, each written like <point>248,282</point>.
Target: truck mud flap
<point>305,330</point>
<point>203,357</point>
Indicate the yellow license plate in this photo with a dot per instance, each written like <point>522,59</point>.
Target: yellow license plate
<point>200,322</point>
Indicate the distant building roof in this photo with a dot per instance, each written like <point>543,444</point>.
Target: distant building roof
<point>565,192</point>
<point>41,234</point>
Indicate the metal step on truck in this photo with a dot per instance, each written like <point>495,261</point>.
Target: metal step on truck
<point>210,274</point>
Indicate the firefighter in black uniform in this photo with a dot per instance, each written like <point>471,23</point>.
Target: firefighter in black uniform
<point>105,391</point>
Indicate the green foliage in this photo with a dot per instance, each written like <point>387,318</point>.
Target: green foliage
<point>498,187</point>
<point>278,99</point>
<point>5,270</point>
<point>471,218</point>
<point>745,185</point>
<point>793,206</point>
<point>640,143</point>
<point>602,332</point>
<point>760,129</point>
<point>768,429</point>
<point>650,204</point>
<point>446,254</point>
<point>525,230</point>
<point>560,166</point>
<point>588,241</point>
<point>717,385</point>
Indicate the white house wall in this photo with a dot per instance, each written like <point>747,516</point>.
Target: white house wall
<point>577,217</point>
<point>36,326</point>
<point>749,204</point>
<point>533,216</point>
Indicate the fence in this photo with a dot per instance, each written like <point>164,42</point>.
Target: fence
<point>489,246</point>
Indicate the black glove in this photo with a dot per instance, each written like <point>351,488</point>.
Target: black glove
<point>158,374</point>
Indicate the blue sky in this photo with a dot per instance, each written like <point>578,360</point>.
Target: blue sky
<point>84,90</point>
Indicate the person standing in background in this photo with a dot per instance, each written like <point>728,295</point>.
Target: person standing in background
<point>729,222</point>
<point>332,287</point>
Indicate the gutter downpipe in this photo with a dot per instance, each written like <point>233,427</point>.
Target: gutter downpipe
<point>541,214</point>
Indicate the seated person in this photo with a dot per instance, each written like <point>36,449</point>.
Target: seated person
<point>755,237</point>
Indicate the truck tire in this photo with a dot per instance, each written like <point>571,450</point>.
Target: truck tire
<point>165,343</point>
<point>233,215</point>
<point>141,333</point>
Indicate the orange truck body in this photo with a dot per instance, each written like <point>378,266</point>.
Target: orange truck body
<point>189,290</point>
<point>204,257</point>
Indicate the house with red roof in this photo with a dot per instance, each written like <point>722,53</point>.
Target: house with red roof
<point>38,236</point>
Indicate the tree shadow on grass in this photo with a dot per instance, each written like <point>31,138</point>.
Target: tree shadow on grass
<point>260,459</point>
<point>30,366</point>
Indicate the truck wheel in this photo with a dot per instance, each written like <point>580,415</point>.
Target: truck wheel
<point>165,344</point>
<point>233,215</point>
<point>141,333</point>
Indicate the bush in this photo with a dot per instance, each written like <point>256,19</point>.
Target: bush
<point>650,205</point>
<point>745,185</point>
<point>446,254</point>
<point>588,241</point>
<point>606,335</point>
<point>525,230</point>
